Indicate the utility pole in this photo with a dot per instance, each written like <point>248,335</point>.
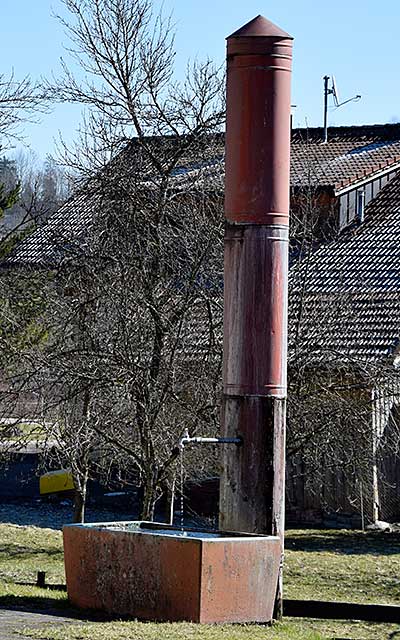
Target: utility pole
<point>326,94</point>
<point>252,494</point>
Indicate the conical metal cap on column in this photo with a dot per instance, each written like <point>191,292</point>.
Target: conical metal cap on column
<point>260,27</point>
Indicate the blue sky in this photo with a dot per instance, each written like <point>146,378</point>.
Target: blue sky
<point>356,40</point>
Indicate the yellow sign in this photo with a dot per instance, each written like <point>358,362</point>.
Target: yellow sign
<point>55,481</point>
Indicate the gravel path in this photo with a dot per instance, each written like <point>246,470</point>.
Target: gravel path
<point>41,513</point>
<point>12,622</point>
<point>54,515</point>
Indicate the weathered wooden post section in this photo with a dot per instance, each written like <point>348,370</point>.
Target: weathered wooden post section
<point>259,58</point>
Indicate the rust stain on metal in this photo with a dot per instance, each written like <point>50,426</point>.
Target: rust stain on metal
<point>249,592</point>
<point>246,487</point>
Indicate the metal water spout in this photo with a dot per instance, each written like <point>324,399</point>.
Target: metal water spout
<point>186,439</point>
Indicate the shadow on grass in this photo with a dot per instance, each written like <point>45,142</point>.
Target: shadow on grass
<point>48,586</point>
<point>345,542</point>
<point>10,550</point>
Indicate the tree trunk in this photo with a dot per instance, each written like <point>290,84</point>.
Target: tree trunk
<point>80,500</point>
<point>149,502</point>
<point>169,492</point>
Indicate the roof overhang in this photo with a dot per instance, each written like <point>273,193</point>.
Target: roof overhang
<point>357,183</point>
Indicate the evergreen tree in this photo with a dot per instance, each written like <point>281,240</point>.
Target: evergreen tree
<point>8,198</point>
<point>9,184</point>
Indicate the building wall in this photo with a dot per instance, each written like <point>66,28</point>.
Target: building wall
<point>335,496</point>
<point>349,202</point>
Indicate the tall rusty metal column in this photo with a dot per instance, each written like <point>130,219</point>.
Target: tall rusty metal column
<point>259,58</point>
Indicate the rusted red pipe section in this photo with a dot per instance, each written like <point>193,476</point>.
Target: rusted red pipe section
<point>259,57</point>
<point>257,208</point>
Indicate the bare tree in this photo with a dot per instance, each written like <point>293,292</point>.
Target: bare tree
<point>20,102</point>
<point>136,341</point>
<point>126,51</point>
<point>44,187</point>
<point>133,352</point>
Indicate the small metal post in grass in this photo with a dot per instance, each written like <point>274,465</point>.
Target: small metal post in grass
<point>41,579</point>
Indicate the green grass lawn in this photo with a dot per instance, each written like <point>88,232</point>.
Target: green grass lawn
<point>299,630</point>
<point>326,565</point>
<point>23,552</point>
<point>26,550</point>
<point>343,565</point>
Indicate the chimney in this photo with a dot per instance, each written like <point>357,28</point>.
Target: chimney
<point>257,166</point>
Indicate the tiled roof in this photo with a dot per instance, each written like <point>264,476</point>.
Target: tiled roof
<point>348,292</point>
<point>351,154</point>
<point>62,236</point>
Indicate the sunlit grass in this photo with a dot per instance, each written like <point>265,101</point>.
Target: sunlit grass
<point>342,565</point>
<point>324,565</point>
<point>289,630</point>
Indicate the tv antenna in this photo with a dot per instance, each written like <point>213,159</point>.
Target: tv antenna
<point>333,90</point>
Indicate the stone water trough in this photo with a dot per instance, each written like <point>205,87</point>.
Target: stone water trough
<point>154,571</point>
